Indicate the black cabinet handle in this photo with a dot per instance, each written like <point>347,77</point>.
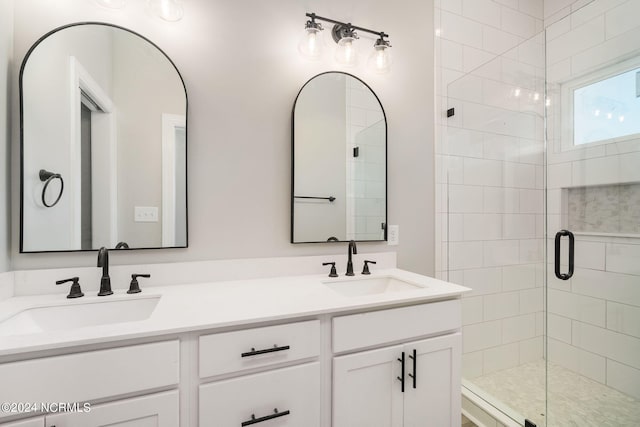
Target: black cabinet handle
<point>559,235</point>
<point>415,374</point>
<point>255,420</point>
<point>255,352</point>
<point>401,378</point>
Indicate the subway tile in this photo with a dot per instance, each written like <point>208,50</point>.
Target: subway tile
<point>559,175</point>
<point>482,172</point>
<point>534,8</point>
<point>531,350</point>
<point>621,19</point>
<point>623,318</point>
<point>531,251</point>
<point>464,142</point>
<point>518,23</point>
<point>518,277</point>
<point>501,253</point>
<point>464,255</point>
<point>450,55</point>
<point>481,336</point>
<point>588,364</point>
<point>498,41</point>
<point>552,7</point>
<point>472,310</point>
<point>453,6</point>
<point>501,200</point>
<point>460,29</point>
<point>577,307</point>
<point>540,324</point>
<point>531,201</point>
<point>455,231</point>
<point>590,254</point>
<point>501,357</point>
<point>519,226</point>
<point>476,61</point>
<point>472,364</point>
<point>531,301</point>
<point>513,4</point>
<point>518,328</point>
<point>579,39</point>
<point>623,378</point>
<point>482,226</point>
<point>501,95</point>
<point>501,147</point>
<point>623,258</point>
<point>616,287</point>
<point>483,281</point>
<point>559,327</point>
<point>519,175</point>
<point>465,199</point>
<point>484,11</point>
<point>500,306</point>
<point>467,88</point>
<point>604,53</point>
<point>619,347</point>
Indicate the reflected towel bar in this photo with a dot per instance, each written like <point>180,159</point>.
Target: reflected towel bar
<point>330,198</point>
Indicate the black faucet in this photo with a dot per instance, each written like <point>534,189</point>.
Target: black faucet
<point>105,282</point>
<point>351,250</point>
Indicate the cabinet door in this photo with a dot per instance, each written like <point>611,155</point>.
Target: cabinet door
<point>157,410</point>
<point>435,400</point>
<point>282,397</point>
<point>31,422</point>
<point>366,389</point>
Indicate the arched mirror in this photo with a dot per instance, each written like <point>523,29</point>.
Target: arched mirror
<point>103,142</point>
<point>339,177</point>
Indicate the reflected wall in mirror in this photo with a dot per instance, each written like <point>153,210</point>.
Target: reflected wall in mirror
<point>105,110</point>
<point>339,177</point>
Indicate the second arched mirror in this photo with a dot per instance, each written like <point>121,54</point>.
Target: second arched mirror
<point>339,171</point>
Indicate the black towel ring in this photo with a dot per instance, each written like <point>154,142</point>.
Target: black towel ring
<point>47,177</point>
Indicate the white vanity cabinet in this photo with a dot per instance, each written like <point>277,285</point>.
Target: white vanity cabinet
<point>155,410</point>
<point>279,396</point>
<point>414,383</point>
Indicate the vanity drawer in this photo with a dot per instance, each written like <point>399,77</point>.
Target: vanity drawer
<point>258,347</point>
<point>234,402</point>
<point>92,375</point>
<point>379,327</point>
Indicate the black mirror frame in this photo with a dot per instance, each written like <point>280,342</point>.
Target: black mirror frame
<point>386,161</point>
<point>20,83</point>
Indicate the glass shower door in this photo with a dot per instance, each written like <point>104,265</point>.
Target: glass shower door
<point>593,194</point>
<point>494,144</point>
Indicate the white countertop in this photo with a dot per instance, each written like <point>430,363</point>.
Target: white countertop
<point>193,307</point>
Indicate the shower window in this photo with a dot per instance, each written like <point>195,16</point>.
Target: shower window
<point>602,107</point>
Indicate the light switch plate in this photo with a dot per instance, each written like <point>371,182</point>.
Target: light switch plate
<point>393,235</point>
<point>146,214</point>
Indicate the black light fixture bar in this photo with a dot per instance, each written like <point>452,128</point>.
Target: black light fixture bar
<point>313,16</point>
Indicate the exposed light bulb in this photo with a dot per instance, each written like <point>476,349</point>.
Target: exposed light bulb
<point>596,113</point>
<point>380,59</point>
<point>516,92</point>
<point>311,44</point>
<point>609,116</point>
<point>536,96</point>
<point>621,119</point>
<point>169,10</point>
<point>438,32</point>
<point>112,4</point>
<point>346,53</point>
<point>547,103</point>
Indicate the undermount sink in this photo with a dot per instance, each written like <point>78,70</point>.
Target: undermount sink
<point>79,315</point>
<point>362,286</point>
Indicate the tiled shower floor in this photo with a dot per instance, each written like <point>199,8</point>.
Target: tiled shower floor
<point>574,400</point>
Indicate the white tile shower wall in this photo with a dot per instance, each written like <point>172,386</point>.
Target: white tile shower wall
<point>594,317</point>
<point>489,198</point>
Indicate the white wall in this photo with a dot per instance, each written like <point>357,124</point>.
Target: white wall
<point>242,81</point>
<point>6,81</point>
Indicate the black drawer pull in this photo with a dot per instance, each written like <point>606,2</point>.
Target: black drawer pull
<point>255,352</point>
<point>255,420</point>
<point>414,376</point>
<point>401,378</point>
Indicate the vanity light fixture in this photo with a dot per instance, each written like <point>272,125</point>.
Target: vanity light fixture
<point>169,10</point>
<point>344,34</point>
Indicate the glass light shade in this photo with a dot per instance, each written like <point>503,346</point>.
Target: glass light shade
<point>311,44</point>
<point>112,4</point>
<point>380,59</point>
<point>346,53</point>
<point>169,10</point>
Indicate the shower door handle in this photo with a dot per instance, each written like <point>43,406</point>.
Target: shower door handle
<point>559,235</point>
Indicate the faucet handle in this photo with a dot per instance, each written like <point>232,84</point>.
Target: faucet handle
<point>333,272</point>
<point>134,287</point>
<point>75,291</point>
<point>365,270</point>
